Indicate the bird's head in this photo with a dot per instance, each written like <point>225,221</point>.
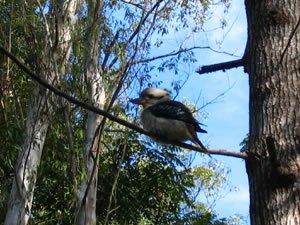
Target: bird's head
<point>151,96</point>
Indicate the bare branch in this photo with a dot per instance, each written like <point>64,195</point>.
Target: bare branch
<point>134,4</point>
<point>47,29</point>
<point>74,161</point>
<point>209,151</point>
<point>75,101</point>
<point>173,53</point>
<point>117,175</point>
<point>108,50</point>
<point>221,66</point>
<point>144,7</point>
<point>214,100</point>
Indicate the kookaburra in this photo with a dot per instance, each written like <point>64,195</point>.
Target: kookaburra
<point>170,120</point>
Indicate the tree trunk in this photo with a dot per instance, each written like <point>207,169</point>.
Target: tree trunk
<point>28,161</point>
<point>86,200</point>
<point>38,114</point>
<point>274,164</point>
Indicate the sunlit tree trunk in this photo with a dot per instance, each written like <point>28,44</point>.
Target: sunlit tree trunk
<point>55,55</point>
<point>87,195</point>
<point>274,75</point>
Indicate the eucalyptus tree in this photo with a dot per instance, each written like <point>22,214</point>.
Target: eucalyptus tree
<point>52,51</point>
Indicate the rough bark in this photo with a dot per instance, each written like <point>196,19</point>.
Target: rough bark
<point>274,164</point>
<point>56,53</point>
<point>87,195</point>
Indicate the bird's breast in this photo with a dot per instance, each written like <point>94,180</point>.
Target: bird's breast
<point>169,128</point>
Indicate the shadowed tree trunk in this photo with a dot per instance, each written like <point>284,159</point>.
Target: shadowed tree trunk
<point>274,75</point>
<point>87,195</point>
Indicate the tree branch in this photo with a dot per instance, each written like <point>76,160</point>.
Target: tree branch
<point>75,101</point>
<point>137,30</point>
<point>180,50</point>
<point>221,66</point>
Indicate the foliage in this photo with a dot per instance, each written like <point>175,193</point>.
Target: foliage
<point>245,144</point>
<point>155,183</point>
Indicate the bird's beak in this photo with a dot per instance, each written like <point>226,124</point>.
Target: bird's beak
<point>137,101</point>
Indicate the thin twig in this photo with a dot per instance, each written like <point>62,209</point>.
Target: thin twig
<point>114,186</point>
<point>74,161</point>
<point>214,100</point>
<point>174,53</point>
<point>137,30</point>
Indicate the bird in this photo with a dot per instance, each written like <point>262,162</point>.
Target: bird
<point>171,120</point>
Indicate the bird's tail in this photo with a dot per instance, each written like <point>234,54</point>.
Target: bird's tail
<point>195,139</point>
<point>201,145</point>
<point>202,130</point>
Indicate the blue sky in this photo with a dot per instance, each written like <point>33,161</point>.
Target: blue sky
<point>227,120</point>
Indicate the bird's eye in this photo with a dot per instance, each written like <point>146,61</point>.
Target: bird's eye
<point>152,96</point>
